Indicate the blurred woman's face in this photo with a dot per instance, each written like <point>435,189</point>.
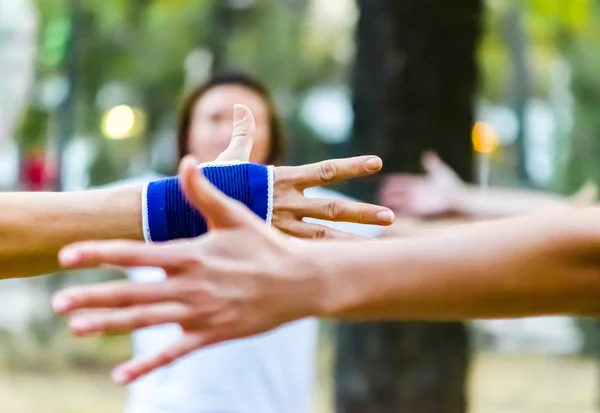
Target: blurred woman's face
<point>212,122</point>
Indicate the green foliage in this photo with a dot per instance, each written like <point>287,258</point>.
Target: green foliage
<point>583,52</point>
<point>547,23</point>
<point>143,44</point>
<point>555,29</point>
<point>33,129</point>
<point>54,42</point>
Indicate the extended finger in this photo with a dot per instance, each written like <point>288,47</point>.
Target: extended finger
<point>432,162</point>
<point>328,172</point>
<point>301,229</point>
<point>342,211</point>
<point>122,253</point>
<point>128,319</point>
<point>116,294</point>
<point>132,370</point>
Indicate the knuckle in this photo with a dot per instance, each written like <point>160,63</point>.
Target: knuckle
<point>334,210</point>
<point>359,168</point>
<point>321,233</point>
<point>240,133</point>
<point>363,216</point>
<point>327,171</point>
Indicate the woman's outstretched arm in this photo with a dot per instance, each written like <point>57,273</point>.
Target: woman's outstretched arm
<point>35,226</point>
<point>243,278</point>
<point>542,264</point>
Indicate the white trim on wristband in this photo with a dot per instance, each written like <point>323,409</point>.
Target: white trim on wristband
<point>270,189</point>
<point>221,163</point>
<point>145,219</point>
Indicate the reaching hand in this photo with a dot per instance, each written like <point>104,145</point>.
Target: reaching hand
<point>240,279</point>
<point>433,194</point>
<point>289,204</point>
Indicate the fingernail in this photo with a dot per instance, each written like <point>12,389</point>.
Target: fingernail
<point>239,114</point>
<point>80,324</point>
<point>373,164</point>
<point>68,257</point>
<point>120,377</point>
<point>61,304</point>
<point>386,216</point>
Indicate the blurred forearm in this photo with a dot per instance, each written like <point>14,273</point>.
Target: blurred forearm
<point>534,265</point>
<point>488,203</point>
<point>408,227</point>
<point>35,226</point>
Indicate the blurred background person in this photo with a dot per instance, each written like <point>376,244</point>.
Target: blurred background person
<point>274,372</point>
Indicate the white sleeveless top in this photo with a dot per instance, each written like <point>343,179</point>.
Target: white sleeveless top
<point>270,373</point>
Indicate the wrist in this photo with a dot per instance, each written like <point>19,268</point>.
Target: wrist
<point>124,202</point>
<point>328,292</point>
<point>310,273</point>
<point>167,214</point>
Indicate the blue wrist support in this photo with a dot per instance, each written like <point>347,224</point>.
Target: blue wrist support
<point>167,214</point>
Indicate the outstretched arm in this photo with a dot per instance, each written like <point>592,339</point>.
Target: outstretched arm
<point>35,226</point>
<point>541,264</point>
<point>243,279</point>
<point>501,202</point>
<point>441,191</point>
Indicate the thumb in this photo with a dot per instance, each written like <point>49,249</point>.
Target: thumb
<point>242,138</point>
<point>437,169</point>
<point>218,209</point>
<point>432,163</point>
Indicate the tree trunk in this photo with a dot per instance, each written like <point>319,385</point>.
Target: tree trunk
<point>415,81</point>
<point>516,40</point>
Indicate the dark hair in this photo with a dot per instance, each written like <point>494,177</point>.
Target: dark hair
<point>277,143</point>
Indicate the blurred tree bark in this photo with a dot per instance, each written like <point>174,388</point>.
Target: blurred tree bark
<point>415,79</point>
<point>518,48</point>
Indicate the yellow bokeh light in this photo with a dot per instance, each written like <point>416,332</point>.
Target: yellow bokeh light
<point>119,122</point>
<point>485,138</point>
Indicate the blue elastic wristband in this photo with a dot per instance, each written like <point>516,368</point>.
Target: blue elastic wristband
<point>167,214</point>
